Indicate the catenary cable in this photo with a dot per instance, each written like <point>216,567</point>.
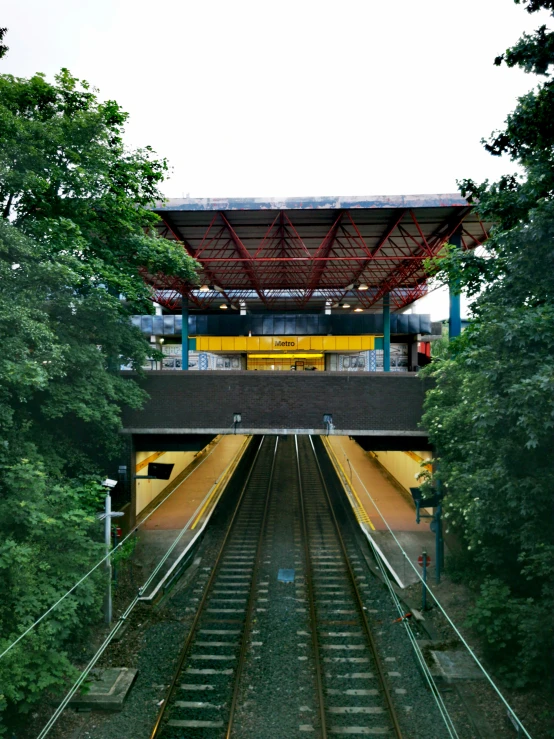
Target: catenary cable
<point>418,654</point>
<point>82,677</point>
<point>445,614</point>
<point>98,564</point>
<point>417,650</point>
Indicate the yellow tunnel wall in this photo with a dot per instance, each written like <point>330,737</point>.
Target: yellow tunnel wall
<point>147,490</point>
<point>403,466</point>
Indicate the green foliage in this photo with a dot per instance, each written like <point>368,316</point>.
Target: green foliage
<point>67,177</point>
<point>75,236</point>
<point>3,48</point>
<point>440,348</point>
<point>505,623</point>
<point>69,184</point>
<point>58,332</point>
<point>491,412</point>
<point>49,539</point>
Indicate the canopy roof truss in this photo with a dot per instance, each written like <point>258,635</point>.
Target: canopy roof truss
<point>295,255</point>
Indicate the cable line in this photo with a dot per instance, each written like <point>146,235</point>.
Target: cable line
<point>464,642</point>
<point>97,565</point>
<point>82,677</point>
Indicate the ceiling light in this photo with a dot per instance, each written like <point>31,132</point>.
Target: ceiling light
<point>358,310</point>
<point>224,306</point>
<point>345,305</point>
<point>362,287</point>
<point>204,288</point>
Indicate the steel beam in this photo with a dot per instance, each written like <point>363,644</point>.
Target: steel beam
<point>386,332</point>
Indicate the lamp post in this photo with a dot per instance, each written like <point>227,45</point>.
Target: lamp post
<point>107,518</point>
<point>161,342</point>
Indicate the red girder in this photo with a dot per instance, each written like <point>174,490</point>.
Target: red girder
<point>183,287</point>
<point>243,251</point>
<point>323,250</point>
<point>283,256</point>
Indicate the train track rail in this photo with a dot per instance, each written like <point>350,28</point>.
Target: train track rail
<point>210,664</point>
<point>341,672</point>
<point>354,697</point>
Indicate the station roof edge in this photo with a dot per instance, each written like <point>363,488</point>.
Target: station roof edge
<point>447,200</point>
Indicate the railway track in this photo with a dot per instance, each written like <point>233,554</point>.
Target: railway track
<point>208,672</point>
<point>283,507</point>
<point>353,693</point>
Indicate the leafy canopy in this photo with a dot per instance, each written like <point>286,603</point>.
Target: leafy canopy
<point>75,236</point>
<point>491,412</point>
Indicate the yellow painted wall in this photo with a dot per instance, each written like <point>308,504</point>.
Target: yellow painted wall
<point>147,490</point>
<point>283,343</point>
<point>284,364</point>
<point>403,466</point>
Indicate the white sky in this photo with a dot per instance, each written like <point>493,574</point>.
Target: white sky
<point>291,98</point>
<point>294,97</point>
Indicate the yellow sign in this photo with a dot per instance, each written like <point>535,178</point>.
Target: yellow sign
<point>284,343</point>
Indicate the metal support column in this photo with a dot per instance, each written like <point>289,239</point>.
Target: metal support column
<point>386,332</point>
<point>185,334</point>
<point>108,563</point>
<point>455,320</point>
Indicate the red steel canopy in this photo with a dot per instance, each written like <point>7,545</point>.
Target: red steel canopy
<point>300,254</point>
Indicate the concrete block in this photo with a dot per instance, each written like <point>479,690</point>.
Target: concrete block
<point>106,689</point>
<point>455,665</point>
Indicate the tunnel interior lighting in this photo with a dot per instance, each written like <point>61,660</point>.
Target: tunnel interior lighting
<point>284,355</point>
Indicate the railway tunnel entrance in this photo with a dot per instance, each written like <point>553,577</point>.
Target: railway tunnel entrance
<point>285,611</point>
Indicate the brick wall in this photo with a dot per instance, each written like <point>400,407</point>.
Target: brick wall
<point>204,402</point>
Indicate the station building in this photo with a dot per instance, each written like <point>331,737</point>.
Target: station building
<point>318,284</point>
<point>302,320</point>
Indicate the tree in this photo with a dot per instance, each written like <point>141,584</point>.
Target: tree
<point>75,237</point>
<point>49,539</point>
<point>3,48</point>
<point>68,182</point>
<point>491,412</point>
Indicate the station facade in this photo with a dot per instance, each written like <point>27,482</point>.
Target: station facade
<point>301,322</point>
<point>314,284</point>
<point>277,342</point>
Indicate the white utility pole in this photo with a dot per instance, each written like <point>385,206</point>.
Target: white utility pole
<point>107,517</point>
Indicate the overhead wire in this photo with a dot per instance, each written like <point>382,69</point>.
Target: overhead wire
<point>450,727</point>
<point>445,614</point>
<point>84,674</point>
<point>98,564</point>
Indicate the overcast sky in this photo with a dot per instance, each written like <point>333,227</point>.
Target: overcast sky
<point>290,98</point>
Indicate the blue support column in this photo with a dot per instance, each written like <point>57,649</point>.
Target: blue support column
<point>455,318</point>
<point>386,332</point>
<point>185,334</point>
